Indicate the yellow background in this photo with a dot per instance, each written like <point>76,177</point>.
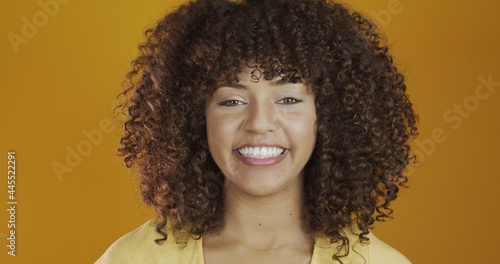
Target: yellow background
<point>63,81</point>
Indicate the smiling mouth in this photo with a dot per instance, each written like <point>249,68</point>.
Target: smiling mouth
<point>261,152</point>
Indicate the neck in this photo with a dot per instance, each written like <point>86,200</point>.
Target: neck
<point>267,221</point>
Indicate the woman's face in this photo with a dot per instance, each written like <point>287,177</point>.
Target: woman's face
<point>261,134</point>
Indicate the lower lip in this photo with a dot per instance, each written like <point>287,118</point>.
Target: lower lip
<point>260,162</point>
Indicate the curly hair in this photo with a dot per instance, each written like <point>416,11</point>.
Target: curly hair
<point>365,117</point>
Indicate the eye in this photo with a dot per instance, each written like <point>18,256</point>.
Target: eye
<point>289,100</point>
<point>231,102</point>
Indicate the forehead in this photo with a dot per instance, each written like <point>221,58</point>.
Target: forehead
<point>270,70</point>
<point>251,73</point>
<point>248,83</point>
<point>269,73</point>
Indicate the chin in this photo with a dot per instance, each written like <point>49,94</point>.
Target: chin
<point>262,187</point>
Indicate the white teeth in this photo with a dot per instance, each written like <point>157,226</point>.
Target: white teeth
<point>261,153</point>
<point>256,152</point>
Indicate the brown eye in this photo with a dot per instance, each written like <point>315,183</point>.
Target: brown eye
<point>230,103</point>
<point>289,100</point>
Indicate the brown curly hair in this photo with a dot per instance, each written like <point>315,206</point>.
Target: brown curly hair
<point>365,118</point>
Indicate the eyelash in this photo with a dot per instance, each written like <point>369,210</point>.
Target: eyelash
<point>233,102</point>
<point>295,100</point>
<point>229,103</point>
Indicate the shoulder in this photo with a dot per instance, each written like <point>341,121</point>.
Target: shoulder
<point>380,252</point>
<point>374,251</point>
<point>128,248</point>
<point>139,246</point>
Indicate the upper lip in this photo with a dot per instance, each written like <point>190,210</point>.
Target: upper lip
<point>260,145</point>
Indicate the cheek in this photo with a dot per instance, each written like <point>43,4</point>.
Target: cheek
<point>219,132</point>
<point>304,126</point>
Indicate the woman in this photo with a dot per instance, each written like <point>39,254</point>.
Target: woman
<point>264,132</point>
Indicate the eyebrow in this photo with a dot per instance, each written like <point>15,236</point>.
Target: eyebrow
<point>231,85</point>
<point>279,82</point>
<point>282,82</point>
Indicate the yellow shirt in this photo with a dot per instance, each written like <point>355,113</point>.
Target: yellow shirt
<point>138,247</point>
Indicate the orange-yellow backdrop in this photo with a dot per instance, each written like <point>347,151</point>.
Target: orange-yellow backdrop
<point>60,76</point>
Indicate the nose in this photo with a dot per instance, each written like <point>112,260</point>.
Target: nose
<point>261,118</point>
